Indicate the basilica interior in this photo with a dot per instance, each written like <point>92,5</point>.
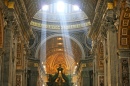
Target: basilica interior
<point>64,42</point>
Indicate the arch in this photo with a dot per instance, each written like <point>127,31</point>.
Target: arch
<point>40,44</point>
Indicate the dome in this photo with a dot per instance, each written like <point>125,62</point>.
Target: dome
<point>60,15</point>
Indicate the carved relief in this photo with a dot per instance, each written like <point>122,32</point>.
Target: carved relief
<point>19,54</point>
<point>126,15</point>
<point>125,22</point>
<point>101,48</point>
<point>101,51</point>
<point>101,80</point>
<point>18,80</point>
<point>101,63</point>
<point>19,60</point>
<point>124,29</point>
<point>125,72</point>
<point>124,41</point>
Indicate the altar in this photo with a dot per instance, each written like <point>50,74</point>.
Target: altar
<point>59,79</point>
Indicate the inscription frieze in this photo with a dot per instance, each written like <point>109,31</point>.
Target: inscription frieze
<point>36,24</point>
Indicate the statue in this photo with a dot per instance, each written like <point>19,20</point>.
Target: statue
<point>59,79</point>
<point>60,69</point>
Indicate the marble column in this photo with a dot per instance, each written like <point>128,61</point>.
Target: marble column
<point>14,55</point>
<point>8,42</point>
<point>112,49</point>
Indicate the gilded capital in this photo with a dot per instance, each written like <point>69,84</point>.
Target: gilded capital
<point>11,5</point>
<point>110,5</point>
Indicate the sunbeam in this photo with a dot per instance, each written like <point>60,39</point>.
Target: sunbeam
<point>63,48</point>
<point>43,52</point>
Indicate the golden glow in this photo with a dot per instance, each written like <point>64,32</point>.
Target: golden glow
<point>59,71</point>
<point>11,5</point>
<point>35,64</point>
<point>60,43</point>
<point>53,61</point>
<point>56,54</point>
<point>59,38</point>
<point>44,66</point>
<point>59,49</point>
<point>110,6</point>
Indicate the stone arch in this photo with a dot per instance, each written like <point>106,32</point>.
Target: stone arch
<point>80,46</point>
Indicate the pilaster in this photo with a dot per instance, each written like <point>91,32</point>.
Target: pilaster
<point>15,38</point>
<point>1,41</point>
<point>112,49</point>
<point>8,42</point>
<point>1,65</point>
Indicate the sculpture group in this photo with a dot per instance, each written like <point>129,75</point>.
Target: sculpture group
<point>59,79</point>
